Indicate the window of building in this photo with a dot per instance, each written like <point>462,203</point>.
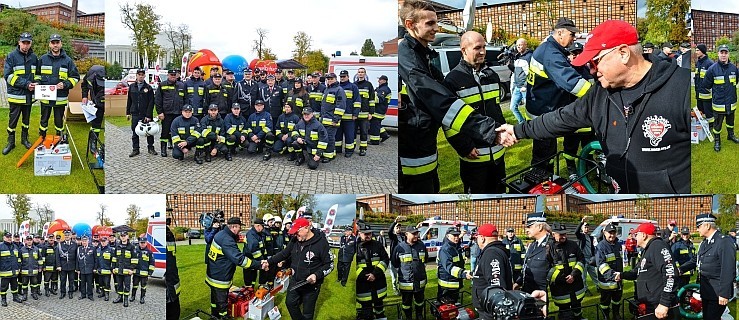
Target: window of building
<point>621,8</point>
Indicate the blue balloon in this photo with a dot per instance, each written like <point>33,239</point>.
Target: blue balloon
<point>82,229</point>
<point>235,63</point>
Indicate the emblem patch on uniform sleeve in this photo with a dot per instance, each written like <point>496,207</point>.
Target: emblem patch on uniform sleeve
<point>655,127</point>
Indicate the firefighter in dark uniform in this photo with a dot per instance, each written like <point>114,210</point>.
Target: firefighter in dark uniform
<point>260,135</point>
<point>517,252</point>
<point>103,266</point>
<point>481,165</point>
<point>195,87</point>
<point>51,276</point>
<point>565,277</point>
<point>377,132</point>
<point>185,132</point>
<point>333,102</point>
<point>721,80</point>
<point>298,95</point>
<point>286,123</point>
<point>272,96</point>
<point>93,85</point>
<point>95,278</point>
<point>31,262</point>
<point>223,258</point>
<point>66,263</point>
<point>372,260</point>
<point>347,249</point>
<point>309,140</point>
<point>85,268</point>
<point>254,249</point>
<point>55,68</point>
<point>245,90</point>
<point>216,93</point>
<point>703,95</point>
<point>144,268</point>
<point>76,274</point>
<point>655,275</point>
<point>140,107</point>
<point>170,98</point>
<point>18,246</point>
<point>410,256</point>
<point>347,130</point>
<point>450,271</point>
<point>236,129</point>
<point>493,266</point>
<point>123,265</point>
<point>610,265</point>
<point>536,264</point>
<point>40,275</point>
<point>429,105</point>
<point>212,136</point>
<point>315,94</point>
<point>716,264</point>
<point>367,101</point>
<point>172,276</point>
<point>18,71</point>
<point>267,277</point>
<point>9,269</point>
<point>683,251</point>
<point>229,83</point>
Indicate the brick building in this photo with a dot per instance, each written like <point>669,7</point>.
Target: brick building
<point>710,25</point>
<point>186,208</point>
<point>92,20</point>
<point>60,12</point>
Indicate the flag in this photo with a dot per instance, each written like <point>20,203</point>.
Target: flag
<point>330,219</point>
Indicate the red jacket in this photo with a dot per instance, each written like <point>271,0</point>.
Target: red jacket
<point>631,245</point>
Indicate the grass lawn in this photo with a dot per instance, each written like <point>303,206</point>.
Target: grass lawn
<point>22,180</point>
<point>119,121</point>
<point>334,302</point>
<point>714,172</point>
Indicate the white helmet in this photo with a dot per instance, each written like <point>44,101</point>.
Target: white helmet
<point>287,221</point>
<point>150,128</point>
<point>278,219</point>
<point>268,217</point>
<point>140,129</point>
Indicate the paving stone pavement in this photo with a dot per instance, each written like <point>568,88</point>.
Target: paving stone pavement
<point>53,308</point>
<point>374,173</point>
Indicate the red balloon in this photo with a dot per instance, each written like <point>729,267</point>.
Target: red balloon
<point>105,231</point>
<point>204,57</point>
<point>58,225</point>
<point>95,230</point>
<point>270,66</point>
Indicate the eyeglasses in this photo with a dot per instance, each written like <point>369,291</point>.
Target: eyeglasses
<point>594,62</point>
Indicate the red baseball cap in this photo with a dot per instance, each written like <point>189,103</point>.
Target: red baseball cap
<point>606,35</point>
<point>487,230</point>
<point>647,228</point>
<point>297,224</point>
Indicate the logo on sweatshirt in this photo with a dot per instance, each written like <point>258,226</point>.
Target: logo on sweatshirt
<point>655,127</point>
<point>309,256</point>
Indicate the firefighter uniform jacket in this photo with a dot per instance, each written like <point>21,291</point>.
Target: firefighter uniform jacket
<point>98,91</point>
<point>255,247</point>
<point>535,266</point>
<point>31,260</point>
<point>260,124</point>
<point>429,105</point>
<point>353,101</point>
<point>721,79</point>
<point>481,91</point>
<point>10,261</point>
<point>347,248</point>
<point>235,125</point>
<point>170,97</point>
<point>195,94</point>
<point>384,96</point>
<point>217,95</point>
<point>86,259</point>
<point>411,262</point>
<point>223,257</point>
<point>210,125</point>
<point>230,89</point>
<point>566,259</point>
<point>493,269</point>
<point>103,259</point>
<point>309,257</point>
<point>277,241</point>
<point>67,255</point>
<point>451,271</point>
<point>145,266</point>
<point>315,95</point>
<point>185,130</point>
<point>517,252</point>
<point>552,81</point>
<point>268,241</point>
<point>246,92</point>
<point>367,98</point>
<point>701,67</point>
<point>124,260</point>
<point>18,72</point>
<point>716,263</point>
<point>54,69</point>
<point>286,123</point>
<point>683,252</point>
<point>172,275</point>
<point>655,275</point>
<point>333,105</point>
<point>314,134</point>
<point>371,259</point>
<point>297,101</point>
<point>608,260</point>
<point>50,256</point>
<point>140,100</point>
<point>273,98</point>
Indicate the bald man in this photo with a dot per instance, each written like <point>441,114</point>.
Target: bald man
<point>481,164</point>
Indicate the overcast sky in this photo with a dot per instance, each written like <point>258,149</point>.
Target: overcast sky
<point>229,27</point>
<point>347,206</point>
<point>86,6</point>
<point>641,5</point>
<point>77,208</point>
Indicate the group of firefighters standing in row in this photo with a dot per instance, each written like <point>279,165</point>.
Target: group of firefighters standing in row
<point>75,260</point>
<point>259,114</point>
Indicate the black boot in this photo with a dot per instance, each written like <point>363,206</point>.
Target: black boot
<point>119,299</point>
<point>731,136</point>
<point>291,157</point>
<point>16,298</point>
<point>54,288</point>
<point>3,301</point>
<point>64,294</point>
<point>11,144</point>
<point>143,294</point>
<point>152,151</point>
<point>300,161</point>
<point>125,302</point>
<point>229,154</point>
<point>362,151</point>
<point>134,153</point>
<point>338,149</point>
<point>198,160</point>
<point>207,154</point>
<point>24,139</point>
<point>163,147</point>
<point>133,295</point>
<point>46,291</point>
<point>107,296</point>
<point>717,142</point>
<point>267,155</point>
<point>82,297</point>
<point>71,295</point>
<point>102,293</point>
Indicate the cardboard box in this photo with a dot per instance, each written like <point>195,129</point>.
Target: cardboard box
<point>51,164</point>
<point>115,105</point>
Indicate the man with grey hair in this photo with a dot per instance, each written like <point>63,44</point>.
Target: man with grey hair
<point>536,265</point>
<point>640,113</point>
<point>520,72</point>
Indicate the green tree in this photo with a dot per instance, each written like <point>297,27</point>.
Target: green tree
<point>316,60</point>
<point>143,21</point>
<point>20,204</point>
<point>114,71</point>
<point>133,212</point>
<point>678,26</point>
<point>44,213</point>
<point>644,204</point>
<point>271,203</point>
<point>727,216</point>
<point>268,55</point>
<point>13,22</point>
<point>464,206</point>
<point>641,28</point>
<point>302,46</point>
<point>368,48</point>
<point>180,38</point>
<point>666,19</point>
<point>735,39</point>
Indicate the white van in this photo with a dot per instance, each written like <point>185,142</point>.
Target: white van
<point>156,241</point>
<point>375,66</point>
<point>623,225</point>
<point>433,233</point>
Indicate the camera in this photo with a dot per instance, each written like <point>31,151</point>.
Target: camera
<point>513,304</point>
<point>208,219</point>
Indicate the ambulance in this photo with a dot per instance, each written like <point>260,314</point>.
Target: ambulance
<point>375,66</point>
<point>156,241</point>
<point>433,233</point>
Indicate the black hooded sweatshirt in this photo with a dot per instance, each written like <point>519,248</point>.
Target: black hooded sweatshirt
<point>312,256</point>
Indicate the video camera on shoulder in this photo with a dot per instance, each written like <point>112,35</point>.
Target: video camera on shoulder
<point>208,219</point>
<point>513,304</point>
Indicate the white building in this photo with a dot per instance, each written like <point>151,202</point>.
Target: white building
<point>8,225</point>
<point>126,56</point>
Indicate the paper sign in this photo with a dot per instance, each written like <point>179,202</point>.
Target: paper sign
<point>45,92</point>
